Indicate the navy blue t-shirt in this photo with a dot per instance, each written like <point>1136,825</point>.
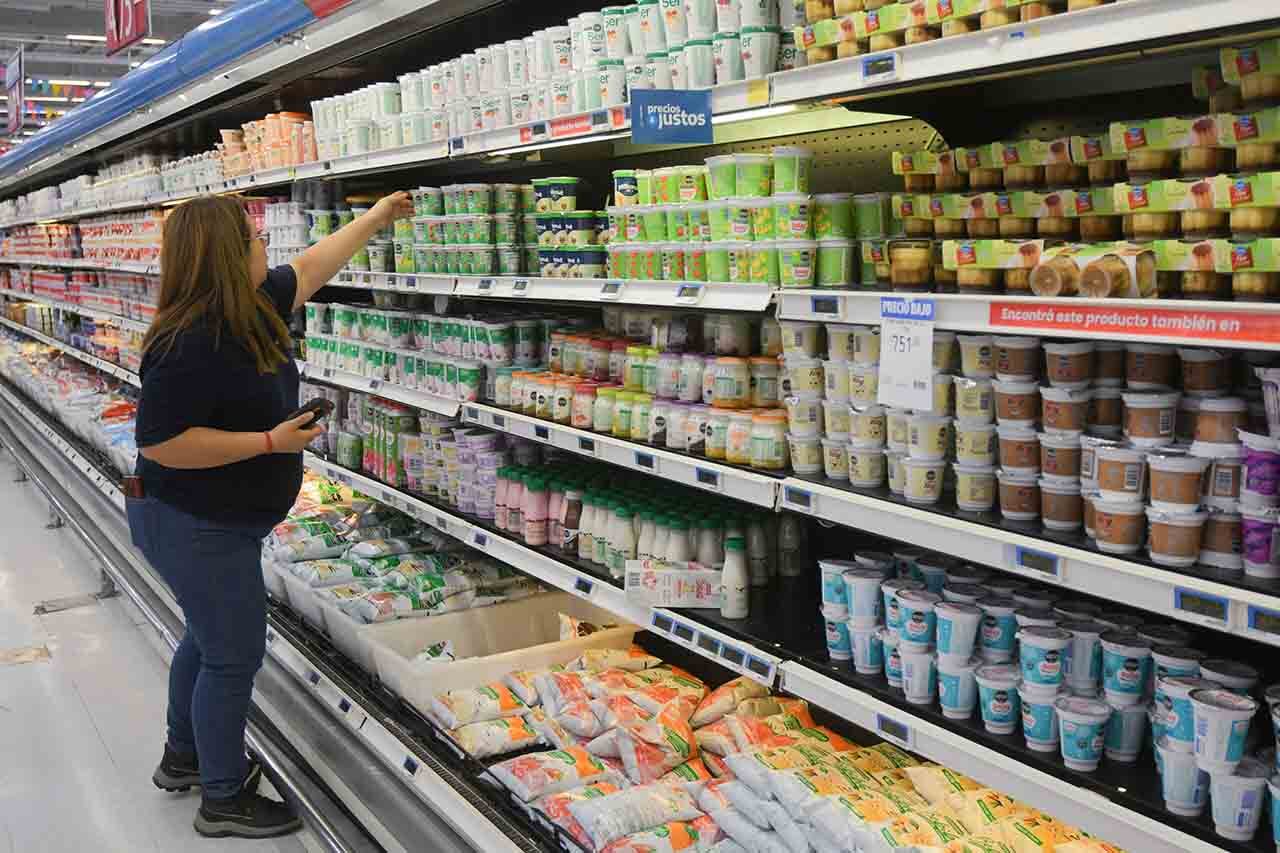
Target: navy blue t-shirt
<point>203,383</point>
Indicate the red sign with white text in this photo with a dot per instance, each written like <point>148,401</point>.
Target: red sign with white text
<point>128,22</point>
<point>1193,324</point>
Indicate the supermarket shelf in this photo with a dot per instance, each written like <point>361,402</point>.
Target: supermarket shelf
<point>123,322</point>
<point>86,264</point>
<point>1255,325</point>
<point>355,382</point>
<point>1117,28</point>
<point>674,294</point>
<point>1078,798</point>
<point>93,361</point>
<point>708,475</point>
<point>541,566</point>
<point>436,285</point>
<point>1222,602</point>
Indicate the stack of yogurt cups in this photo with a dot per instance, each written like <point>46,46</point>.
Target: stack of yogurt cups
<point>852,609</point>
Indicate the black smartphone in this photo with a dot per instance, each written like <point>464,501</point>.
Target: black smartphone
<point>321,407</point>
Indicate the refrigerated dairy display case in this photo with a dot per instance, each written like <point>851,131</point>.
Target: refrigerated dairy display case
<point>1091,82</point>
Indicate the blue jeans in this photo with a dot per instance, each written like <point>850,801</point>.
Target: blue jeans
<point>215,571</point>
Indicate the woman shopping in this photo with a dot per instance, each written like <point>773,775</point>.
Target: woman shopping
<point>220,464</point>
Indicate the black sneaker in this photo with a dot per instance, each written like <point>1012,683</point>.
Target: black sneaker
<point>246,815</point>
<point>180,773</point>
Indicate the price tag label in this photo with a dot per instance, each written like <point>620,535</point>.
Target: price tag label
<point>827,307</point>
<point>798,499</point>
<point>479,539</point>
<point>880,68</point>
<point>499,421</point>
<point>1036,561</point>
<point>688,294</point>
<point>661,623</point>
<point>520,287</point>
<point>583,587</point>
<point>313,678</point>
<point>647,462</point>
<point>411,282</point>
<point>683,632</point>
<point>271,636</point>
<point>473,413</point>
<point>344,705</point>
<point>906,341</point>
<point>611,290</point>
<point>587,445</point>
<point>758,92</point>
<point>895,731</point>
<point>707,478</point>
<point>457,145</point>
<point>733,656</point>
<point>709,644</point>
<point>375,384</point>
<point>485,285</point>
<point>410,765</point>
<point>1211,610</point>
<point>542,433</point>
<point>1264,621</point>
<point>442,523</point>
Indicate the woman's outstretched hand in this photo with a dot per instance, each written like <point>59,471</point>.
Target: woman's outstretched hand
<point>389,208</point>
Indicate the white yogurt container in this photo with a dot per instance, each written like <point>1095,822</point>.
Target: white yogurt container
<point>957,687</point>
<point>1222,727</point>
<point>1237,799</point>
<point>1184,785</point>
<point>919,676</point>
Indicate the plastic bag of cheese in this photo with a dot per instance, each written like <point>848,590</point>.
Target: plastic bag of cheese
<point>1037,832</point>
<point>371,549</point>
<point>980,842</point>
<point>523,683</point>
<point>922,830</point>
<point>935,783</point>
<point>800,790</point>
<point>423,595</point>
<point>347,596</point>
<point>753,767</point>
<point>842,819</point>
<point>717,738</point>
<point>552,733</point>
<point>725,699</point>
<point>655,747</point>
<point>750,733</point>
<point>457,708</point>
<point>606,819</point>
<point>692,776</point>
<point>716,765</point>
<point>979,809</point>
<point>632,659</point>
<point>618,710</point>
<point>553,810</point>
<point>676,692</point>
<point>695,836</point>
<point>578,717</point>
<point>530,777</point>
<point>327,572</point>
<point>300,528</point>
<point>559,688</point>
<point>495,737</point>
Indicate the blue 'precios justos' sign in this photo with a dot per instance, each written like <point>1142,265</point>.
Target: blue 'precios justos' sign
<point>665,116</point>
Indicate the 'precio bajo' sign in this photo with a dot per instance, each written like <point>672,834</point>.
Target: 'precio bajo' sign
<point>128,22</point>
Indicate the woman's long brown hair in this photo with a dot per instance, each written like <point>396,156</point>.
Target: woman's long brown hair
<point>204,279</point>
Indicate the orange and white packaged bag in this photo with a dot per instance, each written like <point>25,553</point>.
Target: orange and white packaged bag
<point>695,836</point>
<point>979,809</point>
<point>717,738</point>
<point>1037,833</point>
<point>691,775</point>
<point>918,830</point>
<point>609,818</point>
<point>653,748</point>
<point>530,777</point>
<point>457,708</point>
<point>754,767</point>
<point>552,733</point>
<point>618,710</point>
<point>559,689</point>
<point>579,718</point>
<point>766,706</point>
<point>634,658</point>
<point>676,692</point>
<point>936,783</point>
<point>896,757</point>
<point>523,683</point>
<point>716,765</point>
<point>496,737</point>
<point>553,810</point>
<point>802,789</point>
<point>989,840</point>
<point>842,819</point>
<point>726,698</point>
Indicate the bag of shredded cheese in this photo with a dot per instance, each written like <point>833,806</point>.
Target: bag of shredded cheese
<point>934,783</point>
<point>695,836</point>
<point>530,777</point>
<point>925,830</point>
<point>557,689</point>
<point>1036,833</point>
<point>653,748</point>
<point>802,789</point>
<point>979,809</point>
<point>457,708</point>
<point>753,767</point>
<point>522,684</point>
<point>726,698</point>
<point>618,710</point>
<point>495,737</point>
<point>606,819</point>
<point>552,733</point>
<point>632,659</point>
<point>553,810</point>
<point>579,718</point>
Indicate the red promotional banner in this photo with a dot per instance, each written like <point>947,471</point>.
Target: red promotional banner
<point>1193,324</point>
<point>128,22</point>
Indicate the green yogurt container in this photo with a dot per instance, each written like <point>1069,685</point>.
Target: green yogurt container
<point>453,204</point>
<point>695,261</point>
<point>739,212</point>
<point>422,258</point>
<point>833,216</point>
<point>432,201</point>
<point>581,230</point>
<point>402,229</point>
<point>764,263</point>
<point>506,198</point>
<point>618,260</point>
<point>717,261</point>
<point>617,224</point>
<point>762,221</point>
<point>528,198</point>
<point>872,215</point>
<point>435,226</point>
<point>718,224</point>
<point>797,263</point>
<point>673,261</point>
<point>699,223</point>
<point>453,230</point>
<point>648,264</point>
<point>753,175</point>
<point>666,185</point>
<point>653,221</point>
<point>439,259</point>
<point>506,228</point>
<point>691,184</point>
<point>545,226</point>
<point>556,193</point>
<point>529,229</point>
<point>625,189</point>
<point>739,262</point>
<point>722,177</point>
<point>477,198</point>
<point>792,169</point>
<point>678,224</point>
<point>793,216</point>
<point>508,258</point>
<point>838,262</point>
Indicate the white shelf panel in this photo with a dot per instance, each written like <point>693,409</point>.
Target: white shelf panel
<point>93,361</point>
<point>1111,28</point>
<point>531,562</point>
<point>123,322</point>
<point>1255,325</point>
<point>435,285</point>
<point>674,294</point>
<point>95,477</point>
<point>398,758</point>
<point>85,264</point>
<point>1166,592</point>
<point>387,390</point>
<point>1080,806</point>
<point>705,474</point>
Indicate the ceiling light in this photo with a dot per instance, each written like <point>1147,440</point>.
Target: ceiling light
<point>749,115</point>
<point>525,149</point>
<point>101,84</point>
<point>73,37</point>
<point>48,99</point>
<point>67,82</point>
<point>153,41</point>
<point>215,11</point>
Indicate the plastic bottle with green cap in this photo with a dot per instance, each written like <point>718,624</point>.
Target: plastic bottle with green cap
<point>644,543</point>
<point>679,551</point>
<point>710,553</point>
<point>735,580</point>
<point>586,527</point>
<point>536,505</point>
<point>622,541</point>
<point>603,529</point>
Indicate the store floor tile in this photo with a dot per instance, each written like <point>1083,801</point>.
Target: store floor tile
<point>81,732</point>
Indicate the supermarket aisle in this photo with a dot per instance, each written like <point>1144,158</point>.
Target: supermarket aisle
<point>81,731</point>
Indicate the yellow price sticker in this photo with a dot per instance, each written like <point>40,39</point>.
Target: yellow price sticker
<point>758,93</point>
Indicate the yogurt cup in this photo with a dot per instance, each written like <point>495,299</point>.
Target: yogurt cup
<point>1257,538</point>
<point>864,384</point>
<point>801,339</point>
<point>1174,661</point>
<point>975,487</point>
<point>1221,727</point>
<point>1118,526</point>
<point>1060,455</point>
<point>1176,480</point>
<point>889,590</point>
<point>964,593</point>
<point>933,571</point>
<point>866,344</point>
<point>1069,365</point>
<point>999,629</point>
<point>868,649</point>
<point>998,697</point>
<point>927,436</point>
<point>1061,507</point>
<point>835,458</point>
<point>835,598</point>
<point>1125,732</point>
<point>1082,658</point>
<point>1019,496</point>
<point>1039,716</point>
<point>975,400</point>
<point>923,479</point>
<point>1149,418</point>
<point>867,466</point>
<point>957,687</point>
<point>1174,537</point>
<point>1150,367</point>
<point>975,443</point>
<point>1126,667</point>
<point>1040,617</point>
<point>1237,799</point>
<point>919,676</point>
<point>862,594</point>
<point>804,415</point>
<point>839,644</point>
<point>1017,403</point>
<point>892,657</point>
<point>977,356</point>
<point>1233,675</point>
<point>957,627</point>
<point>1040,655</point>
<point>896,429</point>
<point>1261,484</point>
<point>836,375</point>
<point>1184,785</point>
<point>1173,705</point>
<point>867,425</point>
<point>919,619</point>
<point>1065,409</point>
<point>1225,474</point>
<point>1121,473</point>
<point>1082,724</point>
<point>806,453</point>
<point>896,470</point>
<point>1017,359</point>
<point>967,573</point>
